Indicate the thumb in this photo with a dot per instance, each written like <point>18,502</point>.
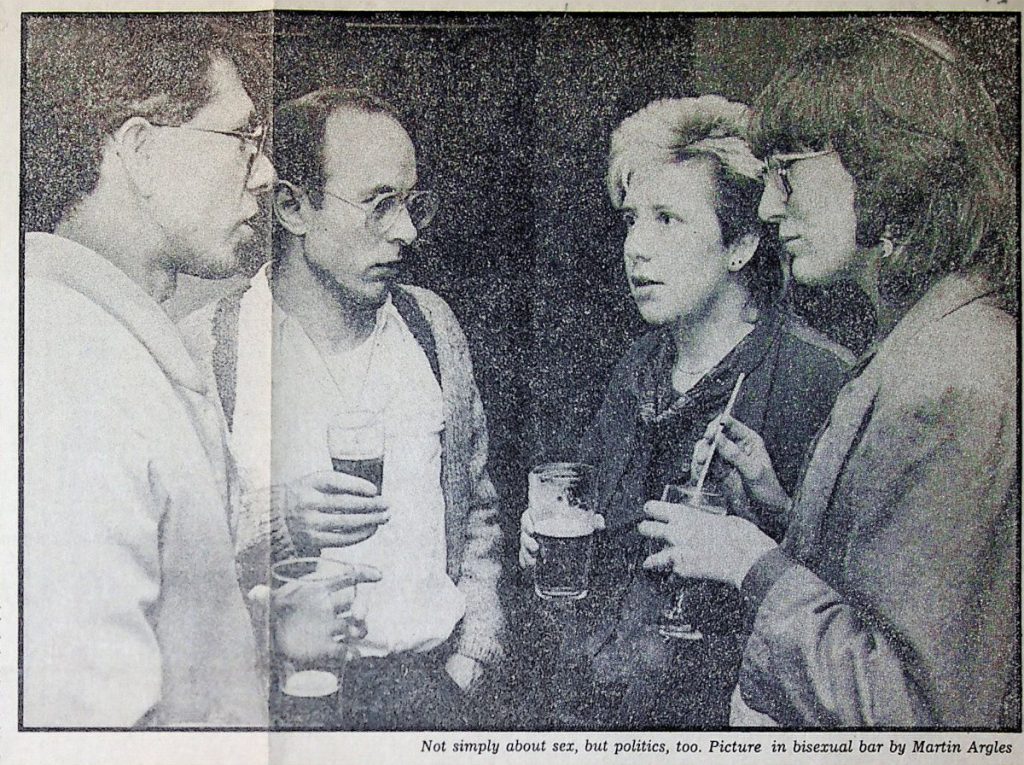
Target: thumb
<point>659,561</point>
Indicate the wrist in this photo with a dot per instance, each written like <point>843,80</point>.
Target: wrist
<point>760,544</point>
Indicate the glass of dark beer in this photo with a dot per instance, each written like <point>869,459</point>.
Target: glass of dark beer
<point>561,507</point>
<point>355,439</point>
<point>678,622</point>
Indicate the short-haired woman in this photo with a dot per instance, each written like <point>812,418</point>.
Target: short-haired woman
<point>707,281</point>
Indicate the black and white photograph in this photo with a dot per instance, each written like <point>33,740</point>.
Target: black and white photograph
<point>640,380</point>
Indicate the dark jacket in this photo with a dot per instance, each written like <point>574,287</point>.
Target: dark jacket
<point>793,375</point>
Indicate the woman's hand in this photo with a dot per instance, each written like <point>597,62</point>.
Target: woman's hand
<point>528,544</point>
<point>699,545</point>
<point>743,449</point>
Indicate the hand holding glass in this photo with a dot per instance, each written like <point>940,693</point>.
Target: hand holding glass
<point>561,511</point>
<point>677,622</point>
<point>312,612</point>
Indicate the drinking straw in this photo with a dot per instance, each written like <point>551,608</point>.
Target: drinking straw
<point>718,430</point>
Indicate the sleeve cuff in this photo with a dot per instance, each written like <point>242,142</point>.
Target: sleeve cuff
<point>765,572</point>
<point>485,651</point>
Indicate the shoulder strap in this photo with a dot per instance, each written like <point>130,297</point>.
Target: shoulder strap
<point>416,320</point>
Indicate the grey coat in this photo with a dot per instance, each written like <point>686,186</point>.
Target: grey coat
<point>893,600</point>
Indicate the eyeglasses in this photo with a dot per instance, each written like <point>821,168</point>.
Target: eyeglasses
<point>776,168</point>
<point>383,210</point>
<point>254,140</point>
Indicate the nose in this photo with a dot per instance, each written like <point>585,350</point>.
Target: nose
<point>637,245</point>
<point>772,205</point>
<point>261,179</point>
<point>403,230</point>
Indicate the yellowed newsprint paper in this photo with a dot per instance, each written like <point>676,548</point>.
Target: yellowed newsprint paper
<point>733,475</point>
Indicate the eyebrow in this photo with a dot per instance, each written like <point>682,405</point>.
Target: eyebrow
<point>377,191</point>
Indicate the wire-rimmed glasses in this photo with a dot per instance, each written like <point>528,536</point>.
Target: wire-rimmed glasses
<point>255,139</point>
<point>384,209</point>
<point>776,168</point>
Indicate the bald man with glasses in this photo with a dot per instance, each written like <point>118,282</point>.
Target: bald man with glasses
<point>329,317</point>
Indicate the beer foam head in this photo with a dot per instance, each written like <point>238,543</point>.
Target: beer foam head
<point>356,436</point>
<point>311,683</point>
<point>556,486</point>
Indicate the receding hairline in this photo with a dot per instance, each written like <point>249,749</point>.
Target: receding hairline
<point>348,117</point>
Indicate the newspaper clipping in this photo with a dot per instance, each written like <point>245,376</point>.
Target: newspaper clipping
<point>542,384</point>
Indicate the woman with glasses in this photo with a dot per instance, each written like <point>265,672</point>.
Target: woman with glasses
<point>892,600</point>
<point>707,281</point>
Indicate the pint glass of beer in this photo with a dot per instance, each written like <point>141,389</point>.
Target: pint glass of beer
<point>561,507</point>
<point>355,439</point>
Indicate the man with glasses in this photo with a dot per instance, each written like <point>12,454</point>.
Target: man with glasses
<point>330,318</point>
<point>144,163</point>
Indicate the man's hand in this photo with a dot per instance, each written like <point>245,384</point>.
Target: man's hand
<point>528,545</point>
<point>464,671</point>
<point>330,509</point>
<point>699,545</point>
<point>313,619</point>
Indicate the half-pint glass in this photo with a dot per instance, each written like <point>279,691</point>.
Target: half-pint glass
<point>680,621</point>
<point>561,507</point>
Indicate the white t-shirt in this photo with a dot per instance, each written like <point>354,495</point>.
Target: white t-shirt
<point>415,606</point>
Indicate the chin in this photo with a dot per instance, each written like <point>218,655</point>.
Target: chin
<point>656,316</point>
<point>215,266</point>
<point>810,273</point>
<point>370,298</point>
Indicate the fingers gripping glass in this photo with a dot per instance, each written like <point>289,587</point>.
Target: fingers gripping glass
<point>383,210</point>
<point>254,140</point>
<point>776,168</point>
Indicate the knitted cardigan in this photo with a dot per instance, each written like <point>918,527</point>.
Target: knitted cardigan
<point>472,529</point>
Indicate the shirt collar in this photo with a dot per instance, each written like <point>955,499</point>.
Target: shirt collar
<point>659,401</point>
<point>85,271</point>
<point>259,296</point>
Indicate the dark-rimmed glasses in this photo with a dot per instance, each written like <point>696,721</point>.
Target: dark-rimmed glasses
<point>384,209</point>
<point>255,139</point>
<point>776,169</point>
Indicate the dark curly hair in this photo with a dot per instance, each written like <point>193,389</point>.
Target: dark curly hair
<point>85,75</point>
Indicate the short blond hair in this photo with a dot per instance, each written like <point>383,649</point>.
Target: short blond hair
<point>673,130</point>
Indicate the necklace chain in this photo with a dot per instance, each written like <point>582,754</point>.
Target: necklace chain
<point>374,339</point>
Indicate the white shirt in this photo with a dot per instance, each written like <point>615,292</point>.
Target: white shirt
<point>415,606</point>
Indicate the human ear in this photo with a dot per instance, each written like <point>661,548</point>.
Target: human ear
<point>742,250</point>
<point>290,206</point>
<point>132,143</point>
